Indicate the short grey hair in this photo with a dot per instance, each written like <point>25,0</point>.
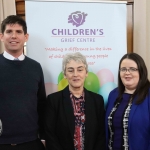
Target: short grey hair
<point>78,57</point>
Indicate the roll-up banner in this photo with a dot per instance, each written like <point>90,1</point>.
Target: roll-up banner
<point>94,28</point>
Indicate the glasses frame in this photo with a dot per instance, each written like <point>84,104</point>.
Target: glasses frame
<point>130,70</point>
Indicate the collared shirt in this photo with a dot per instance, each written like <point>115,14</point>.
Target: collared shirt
<point>10,57</point>
<point>79,113</point>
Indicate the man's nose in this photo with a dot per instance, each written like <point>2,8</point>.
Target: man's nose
<point>14,34</point>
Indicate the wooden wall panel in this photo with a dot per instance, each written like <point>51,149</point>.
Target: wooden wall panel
<point>130,28</point>
<point>20,8</point>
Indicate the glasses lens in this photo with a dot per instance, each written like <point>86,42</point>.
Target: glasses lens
<point>123,69</point>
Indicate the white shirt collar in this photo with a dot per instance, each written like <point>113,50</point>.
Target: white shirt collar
<point>10,57</point>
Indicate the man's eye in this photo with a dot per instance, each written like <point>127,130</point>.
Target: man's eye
<point>8,31</point>
<point>19,32</point>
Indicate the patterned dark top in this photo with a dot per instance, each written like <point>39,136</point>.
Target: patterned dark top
<point>79,113</point>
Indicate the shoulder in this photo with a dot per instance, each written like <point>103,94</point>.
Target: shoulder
<point>32,61</point>
<point>55,95</point>
<point>112,96</point>
<point>1,56</point>
<point>147,98</point>
<point>94,96</point>
<point>114,91</point>
<point>33,64</point>
<point>60,94</point>
<point>54,100</point>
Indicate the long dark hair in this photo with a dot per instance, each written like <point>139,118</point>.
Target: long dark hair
<point>143,85</point>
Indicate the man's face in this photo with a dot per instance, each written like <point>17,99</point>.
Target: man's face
<point>14,38</point>
<point>75,74</point>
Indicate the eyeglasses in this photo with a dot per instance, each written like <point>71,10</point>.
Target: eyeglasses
<point>131,70</point>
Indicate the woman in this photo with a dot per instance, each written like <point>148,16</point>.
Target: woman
<point>75,116</point>
<point>128,109</point>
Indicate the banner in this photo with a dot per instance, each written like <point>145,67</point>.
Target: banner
<point>96,29</point>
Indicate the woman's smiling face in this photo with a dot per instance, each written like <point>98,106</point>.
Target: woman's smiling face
<point>130,78</point>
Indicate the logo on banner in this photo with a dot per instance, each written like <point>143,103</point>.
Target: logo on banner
<point>77,18</point>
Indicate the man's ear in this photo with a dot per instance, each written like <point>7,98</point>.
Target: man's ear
<point>1,36</point>
<point>26,37</point>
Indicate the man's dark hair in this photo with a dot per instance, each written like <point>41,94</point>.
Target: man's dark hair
<point>13,19</point>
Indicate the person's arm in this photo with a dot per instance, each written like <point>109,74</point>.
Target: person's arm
<point>100,142</point>
<point>41,105</point>
<point>52,142</point>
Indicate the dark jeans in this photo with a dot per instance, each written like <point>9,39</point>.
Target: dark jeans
<point>33,145</point>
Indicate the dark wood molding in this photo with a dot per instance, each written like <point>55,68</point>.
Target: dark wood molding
<point>20,8</point>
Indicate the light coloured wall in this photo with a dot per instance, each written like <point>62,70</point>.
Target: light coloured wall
<point>142,30</point>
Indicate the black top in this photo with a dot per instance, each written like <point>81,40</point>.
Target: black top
<point>22,100</point>
<point>60,121</point>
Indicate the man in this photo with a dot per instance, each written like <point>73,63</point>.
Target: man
<point>22,91</point>
<point>74,118</point>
